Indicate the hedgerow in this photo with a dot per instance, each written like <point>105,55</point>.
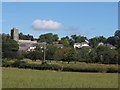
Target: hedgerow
<point>22,64</point>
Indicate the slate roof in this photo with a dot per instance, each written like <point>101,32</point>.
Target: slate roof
<point>59,45</point>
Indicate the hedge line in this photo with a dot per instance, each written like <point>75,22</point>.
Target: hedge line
<point>22,64</point>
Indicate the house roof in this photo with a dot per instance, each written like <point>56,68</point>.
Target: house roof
<point>84,43</point>
<point>109,45</point>
<point>86,47</point>
<point>58,45</point>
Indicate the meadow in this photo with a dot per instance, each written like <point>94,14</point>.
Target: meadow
<point>28,78</point>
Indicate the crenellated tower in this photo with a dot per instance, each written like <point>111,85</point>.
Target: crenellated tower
<point>14,34</point>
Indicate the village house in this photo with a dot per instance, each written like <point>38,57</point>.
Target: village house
<point>106,45</point>
<point>28,45</point>
<point>82,44</point>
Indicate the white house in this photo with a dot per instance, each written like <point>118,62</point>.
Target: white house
<point>81,45</point>
<point>100,43</point>
<point>31,48</point>
<point>106,45</point>
<point>77,45</point>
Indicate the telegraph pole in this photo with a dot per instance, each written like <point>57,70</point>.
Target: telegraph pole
<point>44,52</point>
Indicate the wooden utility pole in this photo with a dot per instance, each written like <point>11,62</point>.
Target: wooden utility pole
<point>44,52</point>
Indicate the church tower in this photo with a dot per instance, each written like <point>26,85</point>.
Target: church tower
<point>14,34</point>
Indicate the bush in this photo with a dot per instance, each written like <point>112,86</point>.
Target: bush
<point>44,62</point>
<point>112,70</point>
<point>82,69</point>
<point>6,64</point>
<point>12,55</point>
<point>22,64</point>
<point>17,63</point>
<point>48,67</point>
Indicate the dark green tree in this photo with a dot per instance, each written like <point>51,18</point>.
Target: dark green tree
<point>69,54</point>
<point>50,52</point>
<point>49,38</point>
<point>107,55</point>
<point>9,45</point>
<point>34,55</point>
<point>65,41</point>
<point>26,37</point>
<point>78,39</point>
<point>112,40</point>
<point>58,56</point>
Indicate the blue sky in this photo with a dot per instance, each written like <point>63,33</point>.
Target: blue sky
<point>87,19</point>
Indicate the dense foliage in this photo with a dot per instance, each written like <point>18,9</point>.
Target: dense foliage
<point>22,64</point>
<point>95,54</point>
<point>49,38</point>
<point>26,37</point>
<point>9,48</point>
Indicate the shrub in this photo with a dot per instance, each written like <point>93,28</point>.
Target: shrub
<point>44,62</point>
<point>17,63</point>
<point>12,55</point>
<point>112,70</point>
<point>45,67</point>
<point>82,69</point>
<point>7,64</point>
<point>22,64</point>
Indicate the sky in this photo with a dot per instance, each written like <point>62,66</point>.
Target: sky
<point>88,19</point>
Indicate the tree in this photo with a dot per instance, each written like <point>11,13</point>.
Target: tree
<point>92,55</point>
<point>34,55</point>
<point>78,56</point>
<point>65,41</point>
<point>50,51</point>
<point>12,55</point>
<point>9,45</point>
<point>112,40</point>
<point>10,48</point>
<point>26,37</point>
<point>93,42</point>
<point>106,55</point>
<point>69,54</point>
<point>117,36</point>
<point>85,55</point>
<point>78,39</point>
<point>55,37</point>
<point>49,38</point>
<point>102,39</point>
<point>71,42</point>
<point>5,36</point>
<point>58,56</point>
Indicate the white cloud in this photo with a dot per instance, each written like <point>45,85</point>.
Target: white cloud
<point>46,25</point>
<point>70,28</point>
<point>50,25</point>
<point>80,33</point>
<point>83,33</point>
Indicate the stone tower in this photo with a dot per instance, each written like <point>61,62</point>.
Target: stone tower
<point>14,34</point>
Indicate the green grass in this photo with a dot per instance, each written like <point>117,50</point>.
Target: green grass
<point>27,78</point>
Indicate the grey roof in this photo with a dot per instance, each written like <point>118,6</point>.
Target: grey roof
<point>77,43</point>
<point>24,45</point>
<point>84,43</point>
<point>86,47</point>
<point>41,44</point>
<point>58,45</point>
<point>109,45</point>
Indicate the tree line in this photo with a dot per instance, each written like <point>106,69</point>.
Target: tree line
<point>95,54</point>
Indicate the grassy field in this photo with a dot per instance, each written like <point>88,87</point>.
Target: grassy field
<point>27,78</point>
